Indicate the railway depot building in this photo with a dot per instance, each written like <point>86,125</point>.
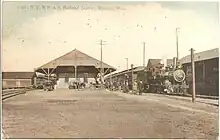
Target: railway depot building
<point>74,65</point>
<point>17,79</point>
<point>206,71</point>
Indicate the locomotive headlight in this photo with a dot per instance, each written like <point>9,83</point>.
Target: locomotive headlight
<point>179,75</point>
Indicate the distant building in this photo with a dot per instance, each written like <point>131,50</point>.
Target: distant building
<point>206,71</point>
<point>17,79</point>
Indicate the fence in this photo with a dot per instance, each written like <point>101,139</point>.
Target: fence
<point>8,93</point>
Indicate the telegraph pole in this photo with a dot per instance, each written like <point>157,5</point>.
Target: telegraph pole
<point>48,75</point>
<point>75,66</point>
<point>177,44</point>
<point>111,77</point>
<point>101,71</point>
<point>101,56</point>
<point>132,78</point>
<point>127,62</point>
<point>193,76</point>
<point>144,54</point>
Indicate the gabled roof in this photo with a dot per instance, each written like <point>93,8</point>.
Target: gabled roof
<point>75,57</point>
<point>205,55</point>
<point>17,75</point>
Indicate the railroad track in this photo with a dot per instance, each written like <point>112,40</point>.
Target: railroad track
<point>8,93</point>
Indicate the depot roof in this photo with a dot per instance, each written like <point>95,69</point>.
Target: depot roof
<point>78,58</point>
<point>204,55</point>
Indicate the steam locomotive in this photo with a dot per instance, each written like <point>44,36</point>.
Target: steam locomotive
<point>160,80</point>
<point>154,79</point>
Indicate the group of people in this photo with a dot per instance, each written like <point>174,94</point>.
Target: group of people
<point>77,85</point>
<point>138,86</point>
<point>48,86</point>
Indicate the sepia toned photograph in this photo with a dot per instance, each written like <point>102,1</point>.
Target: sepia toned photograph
<point>114,69</point>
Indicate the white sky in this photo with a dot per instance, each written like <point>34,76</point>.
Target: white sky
<point>41,39</point>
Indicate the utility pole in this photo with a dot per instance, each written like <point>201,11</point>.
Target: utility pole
<point>132,78</point>
<point>35,76</point>
<point>127,62</point>
<point>102,70</point>
<point>48,75</point>
<point>144,54</point>
<point>177,45</point>
<point>193,76</point>
<point>75,66</point>
<point>101,56</point>
<point>111,77</point>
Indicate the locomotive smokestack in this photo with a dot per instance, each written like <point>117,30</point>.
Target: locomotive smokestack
<point>174,63</point>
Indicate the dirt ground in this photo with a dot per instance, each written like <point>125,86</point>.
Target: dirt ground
<point>100,114</point>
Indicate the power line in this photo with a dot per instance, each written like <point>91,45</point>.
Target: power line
<point>177,44</point>
<point>144,54</point>
<point>101,44</point>
<point>101,65</point>
<point>193,76</point>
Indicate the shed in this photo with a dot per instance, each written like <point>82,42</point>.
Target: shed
<point>206,71</point>
<point>17,79</point>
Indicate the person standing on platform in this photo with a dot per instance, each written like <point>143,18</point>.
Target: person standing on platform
<point>126,88</point>
<point>135,87</point>
<point>77,85</point>
<point>140,87</point>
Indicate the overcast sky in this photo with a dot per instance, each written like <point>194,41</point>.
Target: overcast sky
<point>34,37</point>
